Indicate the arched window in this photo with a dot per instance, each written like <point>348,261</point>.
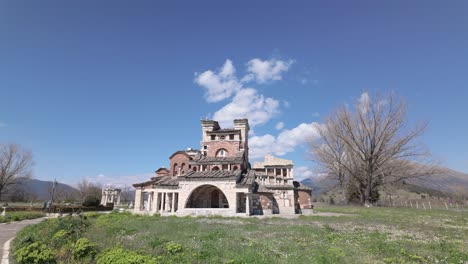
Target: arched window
<point>221,153</point>
<point>215,168</point>
<point>234,168</point>
<point>175,170</point>
<point>194,168</point>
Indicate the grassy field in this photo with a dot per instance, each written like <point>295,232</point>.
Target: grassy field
<point>18,216</point>
<point>365,235</point>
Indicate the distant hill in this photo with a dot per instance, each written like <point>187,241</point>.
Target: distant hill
<point>446,183</point>
<point>33,189</point>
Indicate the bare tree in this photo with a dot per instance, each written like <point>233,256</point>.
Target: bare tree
<point>126,194</point>
<point>329,153</point>
<point>15,163</point>
<point>372,146</point>
<point>89,189</point>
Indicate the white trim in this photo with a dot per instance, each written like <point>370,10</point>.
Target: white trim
<point>6,251</point>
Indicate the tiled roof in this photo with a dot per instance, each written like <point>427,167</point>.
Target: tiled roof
<point>166,181</point>
<point>247,179</point>
<point>218,160</point>
<point>160,181</point>
<point>219,174</point>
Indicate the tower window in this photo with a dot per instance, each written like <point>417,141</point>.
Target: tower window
<point>222,137</point>
<point>221,153</point>
<point>231,137</point>
<point>213,137</point>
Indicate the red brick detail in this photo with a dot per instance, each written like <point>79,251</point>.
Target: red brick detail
<point>176,161</point>
<point>232,147</point>
<point>162,172</point>
<point>304,199</point>
<point>267,200</point>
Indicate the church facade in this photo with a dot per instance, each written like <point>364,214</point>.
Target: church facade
<point>218,179</point>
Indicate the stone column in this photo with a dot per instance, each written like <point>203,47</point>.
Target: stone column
<point>292,175</point>
<point>138,199</point>
<point>150,201</point>
<point>173,203</point>
<point>166,206</point>
<point>161,207</point>
<point>104,199</point>
<point>247,204</point>
<point>156,205</point>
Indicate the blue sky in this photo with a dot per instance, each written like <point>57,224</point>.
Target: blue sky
<point>108,91</point>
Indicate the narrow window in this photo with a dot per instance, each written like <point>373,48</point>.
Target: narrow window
<point>213,137</point>
<point>231,137</point>
<point>221,153</point>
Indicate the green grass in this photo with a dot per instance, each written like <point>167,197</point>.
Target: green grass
<point>366,235</point>
<point>18,216</point>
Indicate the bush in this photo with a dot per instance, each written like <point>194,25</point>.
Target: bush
<point>91,201</point>
<point>35,253</point>
<point>122,256</point>
<point>83,248</point>
<point>173,248</point>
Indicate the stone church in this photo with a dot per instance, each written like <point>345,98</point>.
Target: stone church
<point>219,180</point>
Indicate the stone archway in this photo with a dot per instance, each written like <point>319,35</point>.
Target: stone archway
<point>207,196</point>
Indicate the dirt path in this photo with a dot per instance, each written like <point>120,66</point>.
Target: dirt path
<point>8,231</point>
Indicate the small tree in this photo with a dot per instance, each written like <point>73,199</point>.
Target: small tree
<point>371,146</point>
<point>15,163</point>
<point>90,191</point>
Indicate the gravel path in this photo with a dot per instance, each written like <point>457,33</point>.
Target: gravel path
<point>8,231</point>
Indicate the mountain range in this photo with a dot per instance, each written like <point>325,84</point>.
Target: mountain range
<point>446,183</point>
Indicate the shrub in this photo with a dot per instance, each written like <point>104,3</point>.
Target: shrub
<point>83,248</point>
<point>91,201</point>
<point>35,253</point>
<point>60,238</point>
<point>173,247</point>
<point>122,256</point>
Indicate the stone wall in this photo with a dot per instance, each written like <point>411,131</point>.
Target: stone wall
<point>304,199</point>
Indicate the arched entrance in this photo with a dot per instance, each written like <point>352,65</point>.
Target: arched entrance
<point>207,196</point>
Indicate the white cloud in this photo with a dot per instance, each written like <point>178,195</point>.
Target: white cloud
<point>119,181</point>
<point>221,85</point>
<point>303,172</point>
<point>315,114</point>
<point>279,126</point>
<point>247,103</point>
<point>285,142</point>
<point>263,71</point>
<point>259,146</point>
